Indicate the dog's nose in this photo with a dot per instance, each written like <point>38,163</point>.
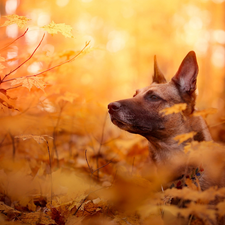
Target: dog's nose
<point>114,106</point>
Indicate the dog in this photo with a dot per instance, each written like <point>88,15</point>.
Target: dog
<point>142,114</point>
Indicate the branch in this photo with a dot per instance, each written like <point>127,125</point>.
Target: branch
<point>25,60</point>
<point>14,40</point>
<point>103,166</point>
<point>51,68</point>
<point>87,161</point>
<point>13,87</point>
<point>100,145</point>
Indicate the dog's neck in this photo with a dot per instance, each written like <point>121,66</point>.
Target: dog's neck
<point>162,150</point>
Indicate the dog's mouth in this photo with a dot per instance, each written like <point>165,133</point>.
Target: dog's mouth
<point>129,127</point>
<point>119,123</point>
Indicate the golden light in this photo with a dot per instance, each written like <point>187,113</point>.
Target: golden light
<point>43,19</point>
<point>12,31</point>
<point>11,6</point>
<point>62,3</point>
<point>34,67</point>
<point>218,56</point>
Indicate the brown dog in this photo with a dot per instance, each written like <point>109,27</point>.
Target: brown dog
<point>142,113</point>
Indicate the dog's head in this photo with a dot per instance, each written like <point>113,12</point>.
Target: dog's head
<point>141,114</point>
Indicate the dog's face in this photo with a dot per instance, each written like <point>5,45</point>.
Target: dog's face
<point>142,113</point>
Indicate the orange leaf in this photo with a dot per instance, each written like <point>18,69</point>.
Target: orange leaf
<point>2,67</point>
<point>54,28</point>
<point>21,21</point>
<point>205,113</point>
<point>38,139</point>
<point>184,137</point>
<point>2,59</point>
<point>174,109</point>
<point>67,97</point>
<point>29,82</point>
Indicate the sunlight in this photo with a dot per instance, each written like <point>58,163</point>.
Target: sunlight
<point>12,31</point>
<point>62,3</point>
<point>219,36</point>
<point>33,35</point>
<point>11,6</point>
<point>116,41</point>
<point>218,1</point>
<point>218,56</point>
<point>86,1</point>
<point>11,57</point>
<point>86,79</point>
<point>43,19</point>
<point>34,67</point>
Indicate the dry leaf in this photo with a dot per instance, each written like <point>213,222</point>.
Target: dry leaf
<point>174,109</point>
<point>7,105</point>
<point>38,139</point>
<point>221,208</point>
<point>205,113</point>
<point>54,28</point>
<point>2,59</point>
<point>2,66</point>
<point>67,97</point>
<point>21,21</point>
<point>29,82</point>
<point>184,137</point>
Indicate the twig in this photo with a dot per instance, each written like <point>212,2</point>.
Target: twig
<point>13,87</point>
<point>102,166</point>
<point>88,162</point>
<point>13,145</point>
<point>3,140</point>
<point>67,61</point>
<point>100,145</point>
<point>82,202</point>
<point>132,169</point>
<point>14,40</point>
<point>50,165</point>
<point>55,133</point>
<point>25,60</point>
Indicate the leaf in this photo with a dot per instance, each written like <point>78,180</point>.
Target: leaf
<point>67,97</point>
<point>4,92</point>
<point>38,139</point>
<point>21,21</point>
<point>29,82</point>
<point>221,208</point>
<point>2,66</point>
<point>184,137</point>
<point>7,105</point>
<point>174,109</point>
<point>54,28</point>
<point>2,59</point>
<point>205,113</point>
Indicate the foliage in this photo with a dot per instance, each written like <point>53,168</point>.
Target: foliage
<point>61,159</point>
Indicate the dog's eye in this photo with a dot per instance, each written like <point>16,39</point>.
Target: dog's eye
<point>154,97</point>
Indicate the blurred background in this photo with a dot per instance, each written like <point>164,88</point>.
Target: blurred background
<point>125,35</point>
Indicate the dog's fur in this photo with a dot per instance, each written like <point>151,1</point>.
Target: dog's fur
<point>142,113</point>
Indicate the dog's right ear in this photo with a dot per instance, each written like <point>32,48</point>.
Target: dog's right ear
<point>158,76</point>
<point>186,76</point>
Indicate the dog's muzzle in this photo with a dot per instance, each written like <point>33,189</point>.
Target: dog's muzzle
<point>115,114</point>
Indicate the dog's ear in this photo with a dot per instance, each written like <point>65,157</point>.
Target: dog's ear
<point>186,76</point>
<point>158,76</point>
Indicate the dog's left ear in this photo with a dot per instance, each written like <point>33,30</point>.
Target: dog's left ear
<point>158,76</point>
<point>186,76</point>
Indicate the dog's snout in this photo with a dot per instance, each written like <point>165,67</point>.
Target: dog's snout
<point>114,106</point>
